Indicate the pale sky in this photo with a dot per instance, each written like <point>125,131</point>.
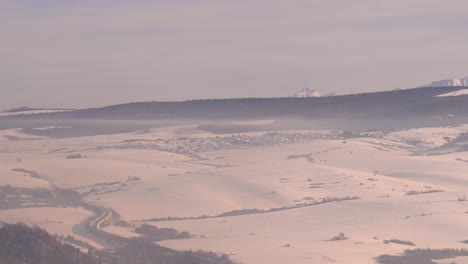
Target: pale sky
<point>84,53</point>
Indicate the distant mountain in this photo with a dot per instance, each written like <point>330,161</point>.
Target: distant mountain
<point>449,83</point>
<point>390,109</point>
<point>306,92</point>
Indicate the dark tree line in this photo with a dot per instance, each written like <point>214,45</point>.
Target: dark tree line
<point>20,244</point>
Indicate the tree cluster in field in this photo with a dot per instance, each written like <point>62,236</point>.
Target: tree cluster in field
<point>340,236</point>
<point>74,156</point>
<point>398,241</point>
<point>255,210</point>
<point>422,192</point>
<point>29,173</point>
<point>422,256</point>
<point>160,234</point>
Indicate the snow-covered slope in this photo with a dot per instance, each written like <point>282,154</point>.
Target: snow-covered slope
<point>306,92</point>
<point>31,112</point>
<point>449,83</point>
<point>456,93</point>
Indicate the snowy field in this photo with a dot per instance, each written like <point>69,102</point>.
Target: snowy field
<point>371,187</point>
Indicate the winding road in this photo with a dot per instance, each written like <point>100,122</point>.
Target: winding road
<point>99,218</point>
<point>95,224</point>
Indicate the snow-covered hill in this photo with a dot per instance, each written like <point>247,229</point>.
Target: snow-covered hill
<point>31,112</point>
<point>306,92</point>
<point>456,93</point>
<point>449,83</point>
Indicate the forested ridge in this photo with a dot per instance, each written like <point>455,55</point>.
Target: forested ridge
<point>20,244</point>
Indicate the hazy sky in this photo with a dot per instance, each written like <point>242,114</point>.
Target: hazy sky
<point>81,53</point>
